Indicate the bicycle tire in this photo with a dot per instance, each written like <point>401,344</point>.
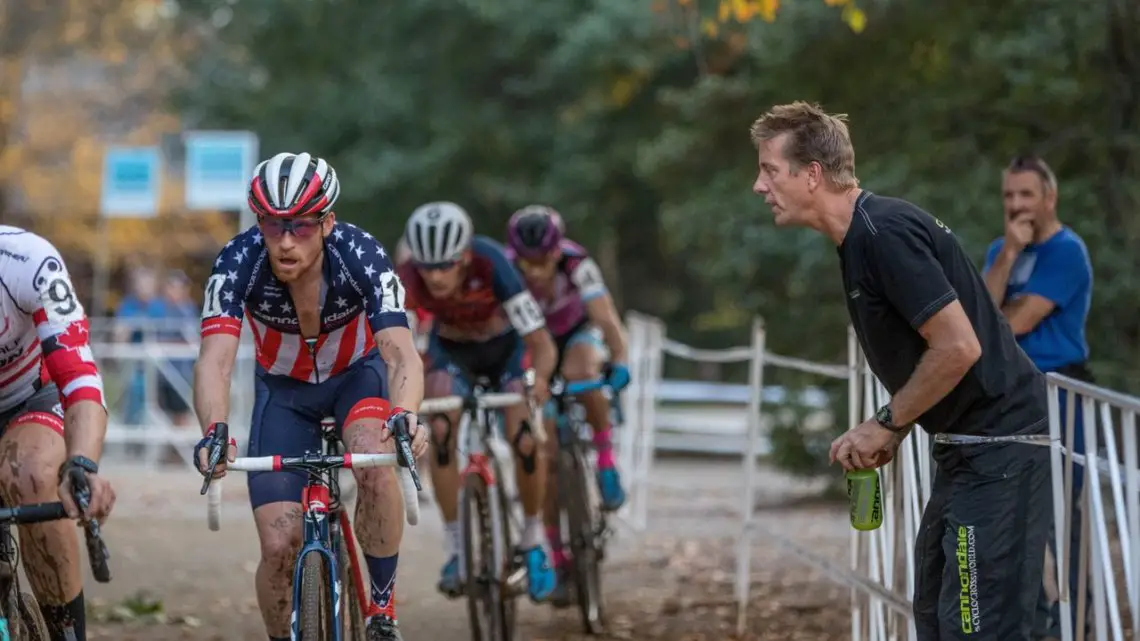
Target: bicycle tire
<point>484,596</point>
<point>584,553</point>
<point>314,616</point>
<point>352,612</point>
<point>28,624</point>
<point>509,611</point>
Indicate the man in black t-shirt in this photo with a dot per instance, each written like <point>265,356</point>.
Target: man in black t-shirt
<point>933,336</point>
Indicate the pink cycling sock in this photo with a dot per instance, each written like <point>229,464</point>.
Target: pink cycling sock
<point>604,448</point>
<point>559,558</point>
<point>554,537</point>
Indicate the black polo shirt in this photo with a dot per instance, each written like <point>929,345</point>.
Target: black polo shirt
<point>900,267</point>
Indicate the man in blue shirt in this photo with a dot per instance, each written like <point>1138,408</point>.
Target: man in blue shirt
<point>1040,276</point>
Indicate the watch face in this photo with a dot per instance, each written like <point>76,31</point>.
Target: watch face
<point>884,415</point>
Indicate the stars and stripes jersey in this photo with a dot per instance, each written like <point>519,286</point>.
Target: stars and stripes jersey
<point>43,329</point>
<point>491,289</point>
<point>577,281</point>
<point>362,296</point>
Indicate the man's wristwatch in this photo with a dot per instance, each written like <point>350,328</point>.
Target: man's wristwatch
<point>885,417</point>
<point>82,462</point>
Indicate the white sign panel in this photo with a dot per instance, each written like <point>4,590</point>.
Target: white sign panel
<point>219,165</point>
<point>131,180</point>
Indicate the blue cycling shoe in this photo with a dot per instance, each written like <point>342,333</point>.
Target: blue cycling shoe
<point>609,486</point>
<point>449,582</point>
<point>541,577</point>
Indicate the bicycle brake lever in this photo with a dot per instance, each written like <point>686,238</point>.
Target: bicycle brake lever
<point>217,451</point>
<point>404,448</point>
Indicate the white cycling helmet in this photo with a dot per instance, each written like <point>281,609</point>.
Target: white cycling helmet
<point>289,185</point>
<point>438,232</point>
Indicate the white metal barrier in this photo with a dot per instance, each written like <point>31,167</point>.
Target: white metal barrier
<point>138,357</point>
<point>1109,554</point>
<point>1102,570</point>
<point>648,345</point>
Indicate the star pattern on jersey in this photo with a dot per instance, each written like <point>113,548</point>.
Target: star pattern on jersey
<point>286,307</point>
<point>265,306</point>
<point>341,302</point>
<point>369,271</point>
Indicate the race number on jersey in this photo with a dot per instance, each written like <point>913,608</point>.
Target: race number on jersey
<point>524,313</point>
<point>587,277</point>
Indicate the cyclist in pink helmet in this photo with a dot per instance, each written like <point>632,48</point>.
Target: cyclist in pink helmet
<point>581,316</point>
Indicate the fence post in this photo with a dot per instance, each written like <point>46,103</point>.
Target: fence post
<point>854,397</point>
<point>748,508</point>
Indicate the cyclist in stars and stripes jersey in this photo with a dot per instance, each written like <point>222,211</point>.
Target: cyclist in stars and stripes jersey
<point>327,313</point>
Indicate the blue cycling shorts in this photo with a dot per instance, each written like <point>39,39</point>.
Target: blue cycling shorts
<point>583,334</point>
<point>501,360</point>
<point>287,417</point>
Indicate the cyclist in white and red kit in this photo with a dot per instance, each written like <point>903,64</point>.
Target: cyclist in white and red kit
<point>49,386</point>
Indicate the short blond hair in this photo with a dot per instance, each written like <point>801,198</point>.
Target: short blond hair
<point>813,136</point>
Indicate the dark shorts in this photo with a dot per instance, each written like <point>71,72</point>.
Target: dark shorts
<point>287,417</point>
<point>43,408</point>
<point>500,359</point>
<point>981,545</point>
<point>169,399</point>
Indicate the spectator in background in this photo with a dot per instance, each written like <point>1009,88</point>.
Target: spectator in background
<point>1040,276</point>
<point>172,313</point>
<point>133,309</point>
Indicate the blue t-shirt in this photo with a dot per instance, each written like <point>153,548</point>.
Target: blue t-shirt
<point>134,308</point>
<point>1059,270</point>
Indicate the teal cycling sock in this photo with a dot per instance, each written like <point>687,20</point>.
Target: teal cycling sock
<point>383,571</point>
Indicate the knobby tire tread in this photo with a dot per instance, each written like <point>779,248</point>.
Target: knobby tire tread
<point>315,598</point>
<point>587,570</point>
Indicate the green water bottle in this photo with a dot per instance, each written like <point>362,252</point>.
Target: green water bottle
<point>866,499</point>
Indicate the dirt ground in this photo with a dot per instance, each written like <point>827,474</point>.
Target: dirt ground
<point>176,580</point>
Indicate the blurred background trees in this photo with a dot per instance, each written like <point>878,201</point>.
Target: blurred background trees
<point>631,117</point>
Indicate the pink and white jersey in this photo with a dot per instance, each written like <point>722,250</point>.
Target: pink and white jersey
<point>43,329</point>
<point>577,280</point>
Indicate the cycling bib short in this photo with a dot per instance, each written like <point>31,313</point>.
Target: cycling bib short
<point>287,417</point>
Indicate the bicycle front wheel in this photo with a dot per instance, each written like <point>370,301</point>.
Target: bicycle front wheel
<point>485,597</point>
<point>315,616</point>
<point>28,624</point>
<point>583,540</point>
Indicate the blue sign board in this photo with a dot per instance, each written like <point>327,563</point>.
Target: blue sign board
<point>219,165</point>
<point>131,181</point>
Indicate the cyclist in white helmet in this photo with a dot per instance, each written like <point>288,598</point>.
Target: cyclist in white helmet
<point>485,324</point>
<point>300,274</point>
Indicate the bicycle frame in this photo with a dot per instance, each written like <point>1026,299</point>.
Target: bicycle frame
<point>476,447</point>
<point>325,521</point>
<point>9,552</point>
<point>323,517</point>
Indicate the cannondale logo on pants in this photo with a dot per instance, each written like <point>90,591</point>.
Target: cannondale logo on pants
<point>967,557</point>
